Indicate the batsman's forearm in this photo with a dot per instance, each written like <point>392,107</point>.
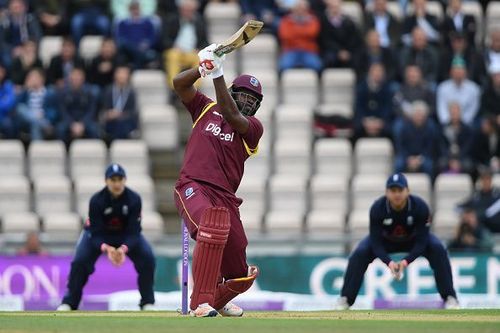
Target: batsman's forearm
<point>186,79</point>
<point>224,100</point>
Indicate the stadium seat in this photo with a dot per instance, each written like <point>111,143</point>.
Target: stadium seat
<point>11,158</point>
<point>253,192</point>
<point>294,122</point>
<point>358,223</point>
<point>329,192</point>
<point>292,157</point>
<point>133,155</point>
<point>374,156</point>
<point>299,87</point>
<point>365,189</point>
<point>337,86</point>
<point>284,223</point>
<point>450,190</point>
<point>259,165</point>
<point>420,184</point>
<point>320,221</point>
<point>152,225</point>
<point>287,194</point>
<point>355,12</point>
<point>88,158</point>
<point>49,47</point>
<point>392,6</point>
<point>145,187</point>
<point>159,126</point>
<point>90,47</point>
<point>262,54</point>
<point>14,194</point>
<point>252,220</point>
<point>62,224</point>
<point>20,222</point>
<point>338,109</point>
<point>150,86</point>
<point>333,157</point>
<point>492,17</point>
<point>46,158</point>
<point>52,194</point>
<point>222,20</point>
<point>445,223</point>
<point>85,187</point>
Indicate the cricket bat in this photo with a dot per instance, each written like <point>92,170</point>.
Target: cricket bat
<point>241,37</point>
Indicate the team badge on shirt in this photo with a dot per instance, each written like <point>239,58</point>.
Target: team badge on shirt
<point>108,211</point>
<point>189,192</point>
<point>387,221</point>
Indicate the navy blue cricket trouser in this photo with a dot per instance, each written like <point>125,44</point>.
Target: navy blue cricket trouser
<point>363,255</point>
<point>83,265</point>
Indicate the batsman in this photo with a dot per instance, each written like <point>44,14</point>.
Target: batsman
<point>399,222</point>
<point>225,133</point>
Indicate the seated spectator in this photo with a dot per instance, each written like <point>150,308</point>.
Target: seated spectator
<point>458,89</point>
<point>414,88</point>
<point>32,246</point>
<point>120,8</point>
<point>486,144</point>
<point>373,106</point>
<point>25,62</point>
<point>373,53</point>
<point>184,34</point>
<point>421,54</point>
<point>101,69</point>
<point>490,100</point>
<point>417,143</point>
<point>120,115</point>
<point>471,236</point>
<point>136,37</point>
<point>459,48</point>
<point>53,16</point>
<point>17,27</point>
<point>339,37</point>
<point>485,193</point>
<point>89,17</point>
<point>77,107</point>
<point>298,34</point>
<point>268,11</point>
<point>7,104</point>
<point>492,51</point>
<point>36,107</point>
<point>457,140</point>
<point>456,21</point>
<point>422,19</point>
<point>61,65</point>
<point>384,23</point>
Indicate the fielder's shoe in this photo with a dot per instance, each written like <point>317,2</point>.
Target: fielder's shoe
<point>342,304</point>
<point>203,310</point>
<point>231,310</point>
<point>451,303</point>
<point>63,307</point>
<point>148,307</point>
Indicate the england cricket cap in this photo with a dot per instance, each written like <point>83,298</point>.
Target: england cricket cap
<point>396,180</point>
<point>115,170</point>
<point>248,82</point>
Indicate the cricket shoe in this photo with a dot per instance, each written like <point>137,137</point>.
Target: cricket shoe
<point>231,310</point>
<point>203,310</point>
<point>342,304</point>
<point>149,307</point>
<point>64,307</point>
<point>451,303</point>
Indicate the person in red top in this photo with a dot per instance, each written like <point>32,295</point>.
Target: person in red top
<point>225,133</point>
<point>298,35</point>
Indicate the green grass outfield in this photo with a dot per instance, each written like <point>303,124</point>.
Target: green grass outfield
<point>396,321</point>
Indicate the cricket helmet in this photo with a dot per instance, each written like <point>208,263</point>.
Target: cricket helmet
<point>246,91</point>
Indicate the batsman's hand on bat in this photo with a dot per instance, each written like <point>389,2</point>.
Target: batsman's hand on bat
<point>210,64</point>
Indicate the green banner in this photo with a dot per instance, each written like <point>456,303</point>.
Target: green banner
<point>323,275</point>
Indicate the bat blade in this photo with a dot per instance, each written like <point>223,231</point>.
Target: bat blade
<point>241,37</point>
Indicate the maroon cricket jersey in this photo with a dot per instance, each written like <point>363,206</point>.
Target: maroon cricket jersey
<point>215,152</point>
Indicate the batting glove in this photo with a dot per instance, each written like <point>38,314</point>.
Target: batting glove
<point>210,64</point>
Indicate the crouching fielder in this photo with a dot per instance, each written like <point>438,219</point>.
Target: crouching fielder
<point>225,133</point>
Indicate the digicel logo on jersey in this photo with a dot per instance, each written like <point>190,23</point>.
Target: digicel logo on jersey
<point>217,131</point>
